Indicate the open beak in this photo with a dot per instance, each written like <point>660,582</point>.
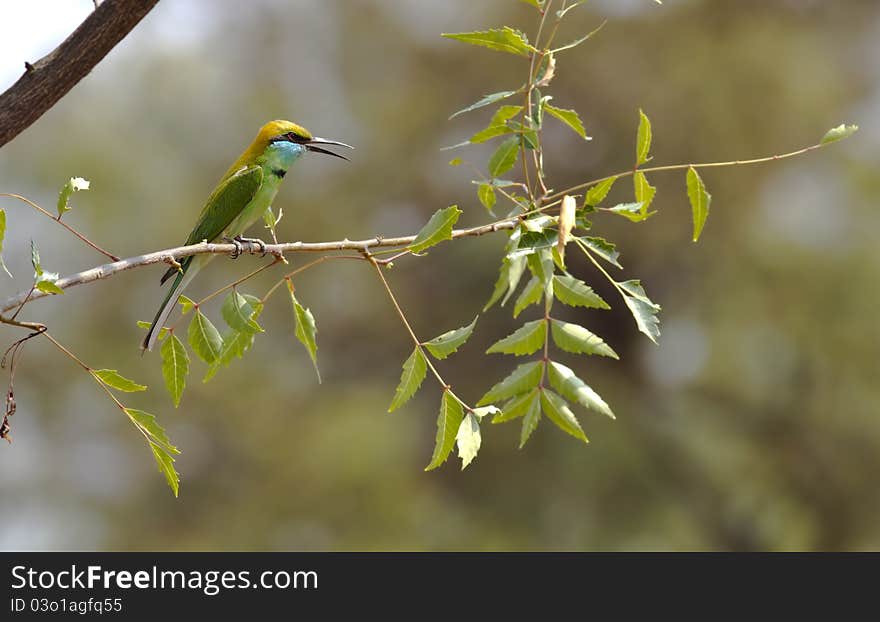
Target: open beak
<point>312,145</point>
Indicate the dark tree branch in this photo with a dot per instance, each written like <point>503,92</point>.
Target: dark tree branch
<point>51,77</point>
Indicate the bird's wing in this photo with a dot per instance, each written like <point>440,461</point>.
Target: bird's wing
<point>226,202</point>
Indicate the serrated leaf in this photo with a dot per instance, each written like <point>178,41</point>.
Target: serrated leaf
<point>414,370</point>
<point>634,212</point>
<point>448,422</point>
<point>523,378</point>
<point>508,278</point>
<point>148,424</point>
<point>486,194</point>
<point>165,462</point>
<point>175,367</point>
<point>115,380</point>
<point>596,194</point>
<point>449,342</point>
<point>504,157</point>
<point>306,330</point>
<point>488,100</point>
<point>575,293</point>
<point>48,287</point>
<point>603,248</point>
<point>500,39</point>
<point>514,276</point>
<point>642,308</point>
<point>527,339</point>
<point>564,380</point>
<point>578,340</point>
<point>186,305</point>
<point>529,296</point>
<point>570,118</point>
<point>468,439</point>
<point>493,131</point>
<point>203,338</point>
<point>74,184</point>
<point>643,139</point>
<point>644,191</point>
<point>2,238</point>
<point>531,418</point>
<point>517,407</point>
<point>700,201</point>
<point>238,312</point>
<point>438,228</point>
<point>558,412</point>
<point>839,133</point>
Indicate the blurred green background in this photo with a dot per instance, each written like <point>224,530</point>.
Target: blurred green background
<point>753,425</point>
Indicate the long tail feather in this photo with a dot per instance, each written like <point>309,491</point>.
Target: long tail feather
<point>167,307</point>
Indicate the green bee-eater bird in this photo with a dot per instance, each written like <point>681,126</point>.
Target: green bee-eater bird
<point>240,199</point>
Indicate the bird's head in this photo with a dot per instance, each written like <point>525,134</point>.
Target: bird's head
<point>280,132</point>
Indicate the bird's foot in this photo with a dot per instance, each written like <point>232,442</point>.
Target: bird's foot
<point>236,241</point>
<point>260,244</point>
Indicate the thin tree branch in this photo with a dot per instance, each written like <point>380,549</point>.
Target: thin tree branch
<point>172,255</point>
<point>50,78</point>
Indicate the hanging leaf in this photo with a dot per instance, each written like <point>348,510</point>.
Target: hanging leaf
<point>700,201</point>
<point>448,422</point>
<point>160,444</point>
<point>531,418</point>
<point>558,412</point>
<point>175,367</point>
<point>438,228</point>
<point>468,439</point>
<point>238,312</point>
<point>644,192</point>
<point>529,296</point>
<point>603,248</point>
<point>306,331</point>
<point>414,370</point>
<point>564,380</point>
<point>642,308</point>
<point>486,194</point>
<point>204,338</point>
<point>643,139</point>
<point>449,342</point>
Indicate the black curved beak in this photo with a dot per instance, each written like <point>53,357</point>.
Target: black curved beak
<point>312,145</point>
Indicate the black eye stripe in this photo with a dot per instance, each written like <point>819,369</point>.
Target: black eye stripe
<point>290,137</point>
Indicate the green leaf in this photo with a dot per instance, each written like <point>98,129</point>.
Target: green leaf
<point>643,310</point>
<point>493,131</point>
<point>505,114</point>
<point>514,276</point>
<point>559,413</point>
<point>186,305</point>
<point>528,339</point>
<point>531,418</point>
<point>455,162</point>
<point>204,338</point>
<point>578,340</point>
<point>575,293</point>
<point>596,194</point>
<point>523,378</point>
<point>564,380</point>
<point>238,312</point>
<point>643,140</point>
<point>631,211</point>
<point>502,40</point>
<point>603,248</point>
<point>74,184</point>
<point>165,462</point>
<point>448,422</point>
<point>2,238</point>
<point>644,191</point>
<point>449,342</point>
<point>700,201</point>
<point>517,407</point>
<point>468,439</point>
<point>48,287</point>
<point>486,194</point>
<point>115,380</point>
<point>504,157</point>
<point>529,296</point>
<point>271,221</point>
<point>175,367</point>
<point>414,370</point>
<point>570,118</point>
<point>148,325</point>
<point>839,133</point>
<point>541,264</point>
<point>488,100</point>
<point>538,4</point>
<point>235,344</point>
<point>148,424</point>
<point>306,330</point>
<point>439,228</point>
